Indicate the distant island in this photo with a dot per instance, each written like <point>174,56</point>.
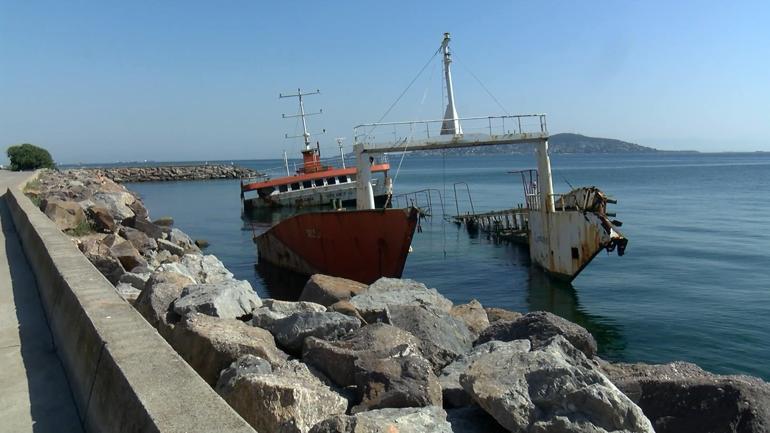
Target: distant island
<point>558,144</point>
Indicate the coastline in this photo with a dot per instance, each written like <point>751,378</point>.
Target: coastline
<point>189,328</point>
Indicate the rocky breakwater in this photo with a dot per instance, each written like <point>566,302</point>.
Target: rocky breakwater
<point>394,356</point>
<point>166,173</point>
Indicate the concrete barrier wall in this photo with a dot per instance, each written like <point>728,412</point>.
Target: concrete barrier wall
<point>124,376</point>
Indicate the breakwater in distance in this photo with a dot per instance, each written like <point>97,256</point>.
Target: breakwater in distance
<point>396,353</point>
<point>168,173</point>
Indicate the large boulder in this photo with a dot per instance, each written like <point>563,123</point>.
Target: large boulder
<point>472,419</point>
<point>442,337</point>
<point>274,309</point>
<point>148,228</point>
<point>210,344</point>
<point>229,299</point>
<point>495,314</point>
<point>101,219</point>
<point>291,331</point>
<point>430,419</point>
<point>327,290</point>
<point>137,280</point>
<point>117,203</point>
<point>474,316</point>
<point>172,272</point>
<point>180,238</point>
<point>402,381</point>
<point>128,256</point>
<point>539,327</point>
<point>105,263</point>
<point>373,302</point>
<point>291,399</point>
<point>166,245</point>
<point>245,364</point>
<point>205,268</point>
<point>161,290</point>
<point>337,358</point>
<point>65,214</point>
<point>452,391</point>
<point>143,243</point>
<point>682,398</point>
<point>550,388</point>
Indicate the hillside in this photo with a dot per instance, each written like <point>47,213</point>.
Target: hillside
<point>558,143</point>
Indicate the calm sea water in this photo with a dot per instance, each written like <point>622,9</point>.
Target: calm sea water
<point>694,284</point>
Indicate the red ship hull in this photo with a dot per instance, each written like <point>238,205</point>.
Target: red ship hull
<point>362,245</point>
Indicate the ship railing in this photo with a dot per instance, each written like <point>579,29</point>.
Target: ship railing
<point>481,129</point>
<point>423,200</point>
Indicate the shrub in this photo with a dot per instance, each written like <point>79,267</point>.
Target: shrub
<point>29,157</point>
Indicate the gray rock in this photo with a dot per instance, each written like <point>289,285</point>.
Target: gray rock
<point>453,393</point>
<point>538,327</point>
<point>290,332</point>
<point>164,221</point>
<point>336,359</point>
<point>289,400</point>
<point>137,280</point>
<point>202,243</point>
<point>148,228</point>
<point>128,256</point>
<point>100,218</point>
<point>143,243</point>
<point>245,364</point>
<point>430,419</point>
<point>550,388</point>
<point>170,247</point>
<point>442,337</point>
<point>346,308</point>
<point>327,290</point>
<point>173,271</point>
<point>109,266</point>
<point>210,344</point>
<point>127,292</point>
<point>682,398</point>
<point>180,238</point>
<point>65,214</point>
<point>498,314</point>
<point>474,316</point>
<point>374,301</point>
<point>402,381</point>
<point>273,309</point>
<point>161,290</point>
<point>230,299</point>
<point>116,203</point>
<point>205,268</point>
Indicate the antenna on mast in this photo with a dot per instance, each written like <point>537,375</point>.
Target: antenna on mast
<point>305,134</point>
<point>451,125</point>
<point>342,152</point>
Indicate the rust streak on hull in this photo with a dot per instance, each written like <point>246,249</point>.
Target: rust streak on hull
<point>361,245</point>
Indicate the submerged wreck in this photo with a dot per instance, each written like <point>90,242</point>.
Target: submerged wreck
<point>565,232</point>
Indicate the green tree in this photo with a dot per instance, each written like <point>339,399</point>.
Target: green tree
<point>29,157</point>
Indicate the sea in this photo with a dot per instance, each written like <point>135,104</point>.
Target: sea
<point>693,285</point>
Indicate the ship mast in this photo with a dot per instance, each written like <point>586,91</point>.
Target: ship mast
<point>451,125</point>
<point>305,134</point>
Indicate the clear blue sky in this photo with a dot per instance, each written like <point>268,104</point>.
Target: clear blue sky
<point>103,81</point>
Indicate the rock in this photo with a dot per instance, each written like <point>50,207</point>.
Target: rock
<point>539,327</point>
<point>290,332</point>
<point>336,359</point>
<point>160,291</point>
<point>245,364</point>
<point>230,299</point>
<point>148,228</point>
<point>403,381</point>
<point>473,315</point>
<point>165,221</point>
<point>210,344</point>
<point>170,247</point>
<point>326,290</point>
<point>143,243</point>
<point>553,387</point>
<point>171,273</point>
<point>201,243</point>
<point>273,309</point>
<point>682,398</point>
<point>128,292</point>
<point>116,203</point>
<point>205,268</point>
<point>346,308</point>
<point>101,219</point>
<point>109,266</point>
<point>430,419</point>
<point>498,314</point>
<point>291,399</point>
<point>453,393</point>
<point>179,237</point>
<point>442,337</point>
<point>136,280</point>
<point>473,419</point>
<point>140,212</point>
<point>66,215</point>
<point>128,256</point>
<point>374,301</point>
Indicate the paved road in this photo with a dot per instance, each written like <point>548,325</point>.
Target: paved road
<point>34,393</point>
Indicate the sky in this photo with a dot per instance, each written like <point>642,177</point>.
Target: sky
<point>108,81</point>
